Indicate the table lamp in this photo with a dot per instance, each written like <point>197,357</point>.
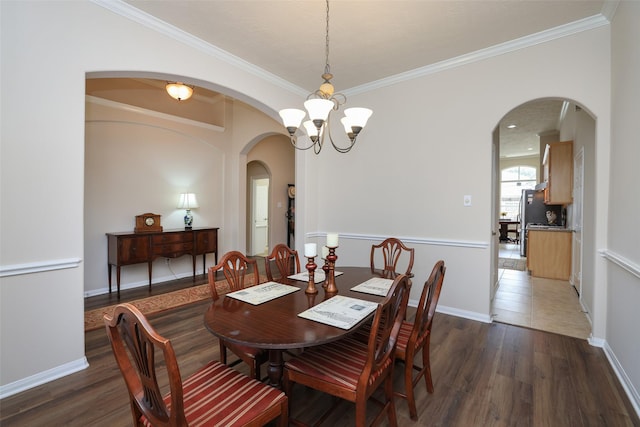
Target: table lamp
<point>187,201</point>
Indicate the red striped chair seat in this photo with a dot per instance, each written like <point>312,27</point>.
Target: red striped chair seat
<point>403,339</point>
<point>219,396</point>
<point>340,363</point>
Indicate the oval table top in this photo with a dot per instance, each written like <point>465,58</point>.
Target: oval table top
<point>275,324</point>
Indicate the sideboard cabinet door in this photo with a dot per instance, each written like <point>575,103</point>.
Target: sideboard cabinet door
<point>133,250</point>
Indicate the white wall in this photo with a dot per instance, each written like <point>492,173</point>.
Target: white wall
<point>427,144</point>
<point>42,165</point>
<point>623,280</point>
<point>135,163</point>
<point>413,165</point>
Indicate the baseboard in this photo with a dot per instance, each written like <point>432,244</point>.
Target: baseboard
<point>134,285</point>
<point>43,377</point>
<point>626,383</point>
<point>471,315</point>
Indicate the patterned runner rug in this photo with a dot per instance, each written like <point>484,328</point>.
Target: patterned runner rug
<point>512,264</point>
<point>155,304</point>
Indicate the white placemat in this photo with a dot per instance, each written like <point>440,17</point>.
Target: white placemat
<point>374,286</point>
<point>340,311</point>
<point>262,293</point>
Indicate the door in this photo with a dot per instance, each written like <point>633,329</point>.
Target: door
<point>576,258</point>
<point>495,208</point>
<point>260,217</point>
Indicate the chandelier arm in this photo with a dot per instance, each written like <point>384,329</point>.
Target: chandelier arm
<point>294,142</point>
<point>339,149</point>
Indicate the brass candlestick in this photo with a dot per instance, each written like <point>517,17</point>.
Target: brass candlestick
<point>325,268</point>
<point>331,287</point>
<point>311,286</point>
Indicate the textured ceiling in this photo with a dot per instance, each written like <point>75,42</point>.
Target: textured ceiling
<point>374,39</point>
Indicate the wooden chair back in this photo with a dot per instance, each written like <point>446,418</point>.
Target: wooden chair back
<point>286,261</point>
<point>238,270</point>
<point>391,250</point>
<point>133,339</point>
<point>384,334</point>
<point>427,305</point>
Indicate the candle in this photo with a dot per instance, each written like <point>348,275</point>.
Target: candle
<point>325,252</point>
<point>310,250</point>
<point>332,240</point>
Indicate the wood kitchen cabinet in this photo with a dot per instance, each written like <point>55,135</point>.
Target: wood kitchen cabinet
<point>136,248</point>
<point>558,173</point>
<point>549,253</point>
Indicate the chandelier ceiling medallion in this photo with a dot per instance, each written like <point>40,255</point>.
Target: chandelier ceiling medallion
<point>319,105</point>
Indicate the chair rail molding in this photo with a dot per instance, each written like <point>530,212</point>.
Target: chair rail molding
<point>39,267</point>
<point>405,240</point>
<point>622,262</point>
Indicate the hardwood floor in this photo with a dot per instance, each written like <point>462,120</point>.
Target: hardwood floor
<point>484,375</point>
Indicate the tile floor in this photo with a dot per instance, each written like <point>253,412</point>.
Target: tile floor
<point>544,304</point>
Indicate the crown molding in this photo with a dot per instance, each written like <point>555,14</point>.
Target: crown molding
<point>136,15</point>
<point>150,113</point>
<point>482,54</point>
<point>124,9</point>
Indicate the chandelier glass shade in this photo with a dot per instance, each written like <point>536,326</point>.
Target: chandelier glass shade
<point>319,107</point>
<point>179,91</point>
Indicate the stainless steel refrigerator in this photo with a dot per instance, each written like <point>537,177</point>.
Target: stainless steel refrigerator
<point>534,211</point>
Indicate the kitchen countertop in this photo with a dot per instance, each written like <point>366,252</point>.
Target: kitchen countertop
<point>548,228</point>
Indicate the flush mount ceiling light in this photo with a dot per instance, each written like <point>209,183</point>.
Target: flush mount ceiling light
<point>179,90</point>
<point>319,105</point>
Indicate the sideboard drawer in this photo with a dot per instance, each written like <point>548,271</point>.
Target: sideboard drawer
<point>173,250</point>
<point>164,238</point>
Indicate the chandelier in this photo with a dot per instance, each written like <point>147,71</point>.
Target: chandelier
<point>319,105</point>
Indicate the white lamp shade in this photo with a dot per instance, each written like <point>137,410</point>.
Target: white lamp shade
<point>310,128</point>
<point>346,122</point>
<point>187,201</point>
<point>318,109</point>
<point>292,117</point>
<point>179,91</point>
<point>358,116</point>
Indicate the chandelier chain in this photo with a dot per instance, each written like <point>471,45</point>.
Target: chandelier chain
<point>327,68</point>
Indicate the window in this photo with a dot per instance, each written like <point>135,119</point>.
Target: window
<point>512,182</point>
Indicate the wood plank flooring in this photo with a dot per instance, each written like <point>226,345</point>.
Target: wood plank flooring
<point>484,375</point>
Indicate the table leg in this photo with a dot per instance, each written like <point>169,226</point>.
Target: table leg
<point>275,368</point>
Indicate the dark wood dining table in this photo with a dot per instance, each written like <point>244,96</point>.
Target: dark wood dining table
<point>275,325</point>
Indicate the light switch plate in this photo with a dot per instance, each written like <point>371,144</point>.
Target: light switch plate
<point>466,200</point>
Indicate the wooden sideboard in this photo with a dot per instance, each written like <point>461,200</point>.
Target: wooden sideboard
<point>128,248</point>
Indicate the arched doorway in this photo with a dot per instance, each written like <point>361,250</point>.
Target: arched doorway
<point>520,139</point>
<point>271,157</point>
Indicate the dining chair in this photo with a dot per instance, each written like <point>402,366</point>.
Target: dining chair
<point>240,272</point>
<point>214,395</point>
<point>390,250</point>
<point>351,369</point>
<point>416,336</point>
<point>286,261</point>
